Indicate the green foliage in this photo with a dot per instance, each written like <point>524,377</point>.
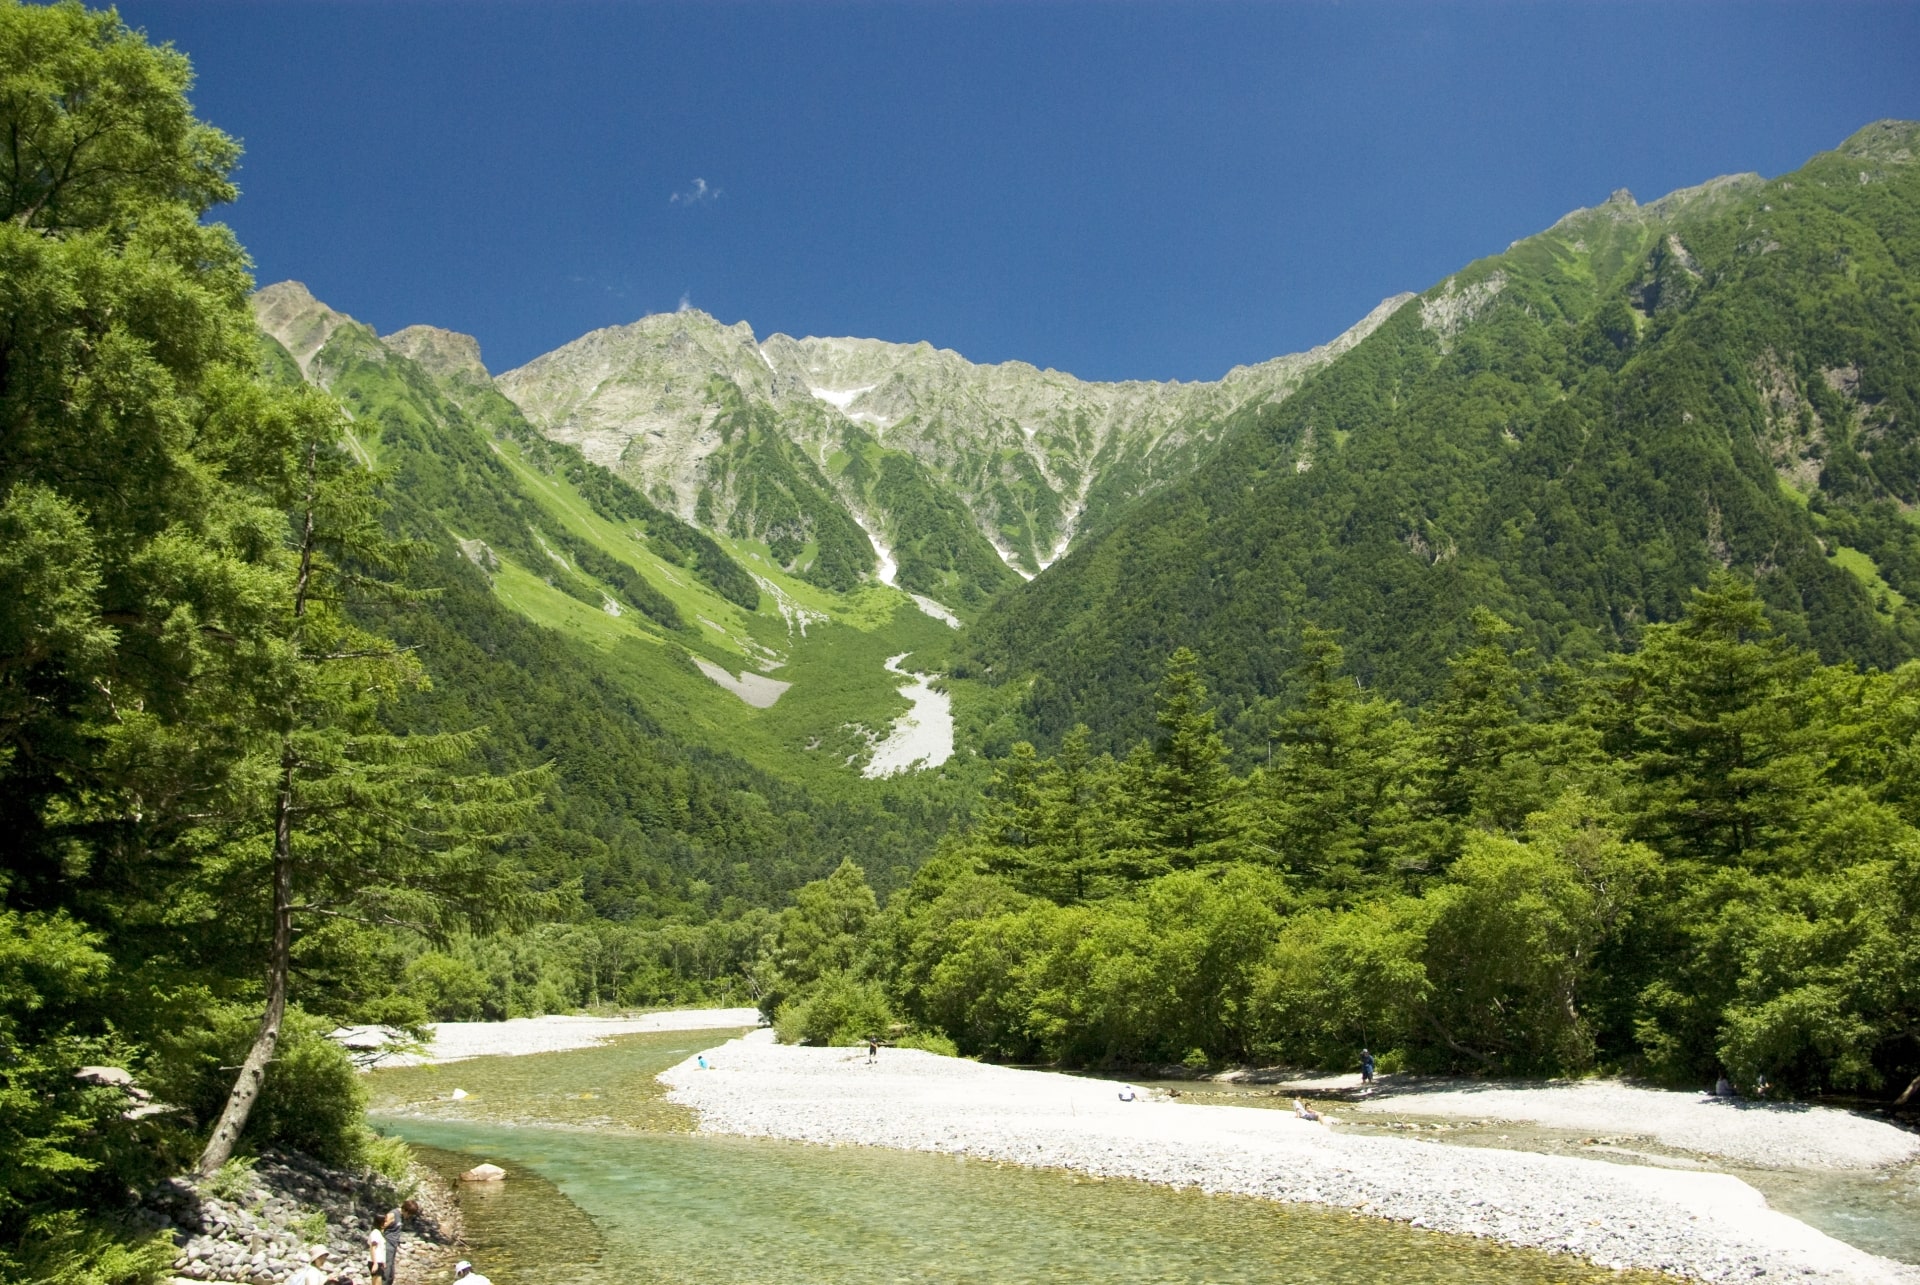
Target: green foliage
<point>313,1100</point>
<point>1185,786</point>
<point>1573,434</point>
<point>232,1180</point>
<point>1341,802</point>
<point>837,1009</point>
<point>779,495</point>
<point>64,1144</point>
<point>72,1250</point>
<point>936,543</point>
<point>819,935</point>
<point>1699,855</point>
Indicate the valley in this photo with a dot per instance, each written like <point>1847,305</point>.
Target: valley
<point>1513,700</point>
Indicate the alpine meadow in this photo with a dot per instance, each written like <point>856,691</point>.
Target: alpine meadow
<point>1523,684</point>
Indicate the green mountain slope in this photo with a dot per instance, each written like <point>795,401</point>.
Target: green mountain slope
<point>1573,433</point>
<point>707,713</point>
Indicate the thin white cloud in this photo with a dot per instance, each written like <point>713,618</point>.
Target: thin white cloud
<point>686,302</point>
<point>699,194</point>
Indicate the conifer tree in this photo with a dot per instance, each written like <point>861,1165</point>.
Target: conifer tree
<point>1711,712</point>
<point>1184,783</point>
<point>365,826</point>
<point>1342,804</point>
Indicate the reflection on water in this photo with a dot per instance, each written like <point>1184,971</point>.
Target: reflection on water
<point>616,1195</point>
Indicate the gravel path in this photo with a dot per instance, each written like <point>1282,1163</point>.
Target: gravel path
<point>456,1041</point>
<point>1706,1226</point>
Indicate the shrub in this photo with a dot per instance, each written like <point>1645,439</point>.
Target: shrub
<point>312,1100</point>
<point>841,1009</point>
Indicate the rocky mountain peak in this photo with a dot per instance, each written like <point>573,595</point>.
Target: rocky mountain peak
<point>446,354</point>
<point>300,323</point>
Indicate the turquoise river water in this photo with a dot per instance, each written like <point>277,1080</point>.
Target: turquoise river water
<point>609,1185</point>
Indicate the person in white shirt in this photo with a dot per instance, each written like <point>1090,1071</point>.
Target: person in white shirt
<point>464,1273</point>
<point>376,1255</point>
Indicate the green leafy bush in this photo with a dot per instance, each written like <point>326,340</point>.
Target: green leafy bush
<point>838,1009</point>
<point>312,1101</point>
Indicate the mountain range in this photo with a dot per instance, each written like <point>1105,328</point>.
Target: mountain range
<point>1574,432</point>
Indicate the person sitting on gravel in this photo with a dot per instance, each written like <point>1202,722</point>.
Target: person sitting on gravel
<point>463,1272</point>
<point>315,1272</point>
<point>1304,1111</point>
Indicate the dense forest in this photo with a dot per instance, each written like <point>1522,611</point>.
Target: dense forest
<point>1700,855</point>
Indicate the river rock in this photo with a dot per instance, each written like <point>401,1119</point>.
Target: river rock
<point>484,1173</point>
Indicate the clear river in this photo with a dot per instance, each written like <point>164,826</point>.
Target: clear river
<point>609,1184</point>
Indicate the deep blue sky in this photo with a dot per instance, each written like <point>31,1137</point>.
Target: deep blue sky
<point>1114,190</point>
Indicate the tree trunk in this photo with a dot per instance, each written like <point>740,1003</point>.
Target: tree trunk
<point>1911,1096</point>
<point>253,1072</point>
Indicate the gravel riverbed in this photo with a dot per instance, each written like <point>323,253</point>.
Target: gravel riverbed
<point>1702,1225</point>
<point>457,1041</point>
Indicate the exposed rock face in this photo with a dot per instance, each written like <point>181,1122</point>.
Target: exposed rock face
<point>1034,454</point>
<point>951,472</point>
<point>289,312</point>
<point>446,354</point>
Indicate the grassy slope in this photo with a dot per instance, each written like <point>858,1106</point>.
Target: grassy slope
<point>631,702</point>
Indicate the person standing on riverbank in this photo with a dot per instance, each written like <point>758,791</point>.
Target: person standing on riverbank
<point>405,1213</point>
<point>1366,1067</point>
<point>379,1258</point>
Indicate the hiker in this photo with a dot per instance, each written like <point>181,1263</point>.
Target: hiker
<point>315,1272</point>
<point>463,1271</point>
<point>1366,1067</point>
<point>405,1214</point>
<point>873,1050</point>
<point>379,1258</point>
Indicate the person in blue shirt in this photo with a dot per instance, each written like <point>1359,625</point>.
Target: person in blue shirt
<point>1366,1067</point>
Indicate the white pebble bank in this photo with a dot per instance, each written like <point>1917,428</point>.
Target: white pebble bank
<point>1772,1135</point>
<point>456,1041</point>
<point>1702,1225</point>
